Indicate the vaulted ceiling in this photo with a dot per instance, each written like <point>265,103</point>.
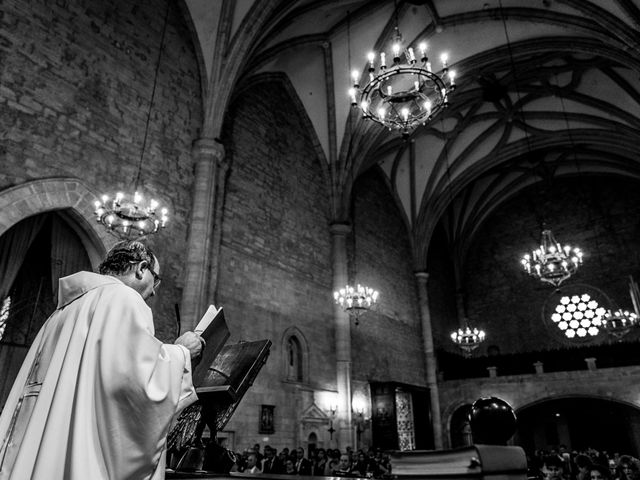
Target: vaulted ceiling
<point>546,88</point>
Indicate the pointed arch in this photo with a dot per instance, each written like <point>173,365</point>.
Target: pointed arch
<point>46,194</point>
<point>295,356</point>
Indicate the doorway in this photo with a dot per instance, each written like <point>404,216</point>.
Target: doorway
<point>579,423</point>
<point>34,254</point>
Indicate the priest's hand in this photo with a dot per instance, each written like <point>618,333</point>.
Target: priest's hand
<point>192,342</point>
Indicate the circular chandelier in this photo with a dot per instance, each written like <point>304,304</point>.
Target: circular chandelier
<point>578,316</point>
<point>468,339</point>
<point>619,322</point>
<point>403,95</point>
<point>130,217</point>
<point>552,263</point>
<point>356,301</point>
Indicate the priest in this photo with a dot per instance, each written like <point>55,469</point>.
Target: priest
<point>97,391</point>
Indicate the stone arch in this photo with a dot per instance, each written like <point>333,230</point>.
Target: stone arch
<point>459,430</point>
<point>578,421</point>
<point>295,363</point>
<point>68,194</point>
<point>549,398</point>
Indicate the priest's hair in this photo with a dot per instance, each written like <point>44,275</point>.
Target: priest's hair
<point>124,255</point>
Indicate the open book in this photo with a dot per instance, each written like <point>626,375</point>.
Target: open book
<point>213,328</point>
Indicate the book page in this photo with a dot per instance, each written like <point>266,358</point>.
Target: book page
<point>206,319</point>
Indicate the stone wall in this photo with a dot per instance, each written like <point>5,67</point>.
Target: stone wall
<point>276,272</point>
<point>75,84</point>
<point>387,345</point>
<point>522,391</point>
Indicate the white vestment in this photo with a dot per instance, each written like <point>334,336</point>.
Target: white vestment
<point>97,392</point>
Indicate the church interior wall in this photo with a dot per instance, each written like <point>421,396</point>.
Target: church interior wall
<point>598,214</point>
<point>274,270</point>
<point>387,345</point>
<point>76,81</point>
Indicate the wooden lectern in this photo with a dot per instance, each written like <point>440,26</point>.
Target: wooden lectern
<point>220,387</point>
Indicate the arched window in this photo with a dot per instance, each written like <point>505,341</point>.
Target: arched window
<point>295,355</point>
<point>34,254</point>
<point>294,360</point>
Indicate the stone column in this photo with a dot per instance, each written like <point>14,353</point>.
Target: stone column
<point>206,153</point>
<point>339,232</point>
<point>430,358</point>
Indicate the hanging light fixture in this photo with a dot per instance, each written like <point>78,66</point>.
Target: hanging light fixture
<point>402,94</point>
<point>618,323</point>
<point>356,301</point>
<point>551,262</point>
<point>132,216</point>
<point>468,339</point>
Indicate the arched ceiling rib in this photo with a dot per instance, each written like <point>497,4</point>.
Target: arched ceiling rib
<point>575,85</point>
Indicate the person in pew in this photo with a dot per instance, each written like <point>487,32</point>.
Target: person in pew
<point>252,463</point>
<point>303,465</point>
<point>599,472</point>
<point>289,467</point>
<point>271,463</point>
<point>97,391</point>
<point>344,467</point>
<point>552,468</point>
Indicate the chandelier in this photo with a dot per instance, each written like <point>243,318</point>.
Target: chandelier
<point>130,216</point>
<point>619,322</point>
<point>552,262</point>
<point>405,94</point>
<point>468,339</point>
<point>356,301</point>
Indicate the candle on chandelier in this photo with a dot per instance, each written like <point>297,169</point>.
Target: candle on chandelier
<point>396,52</point>
<point>383,61</point>
<point>412,57</point>
<point>423,51</point>
<point>352,94</point>
<point>444,58</point>
<point>371,57</point>
<point>355,75</point>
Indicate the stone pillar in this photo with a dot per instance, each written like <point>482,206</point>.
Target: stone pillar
<point>493,372</point>
<point>430,358</point>
<point>206,153</point>
<point>591,363</point>
<point>339,232</point>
